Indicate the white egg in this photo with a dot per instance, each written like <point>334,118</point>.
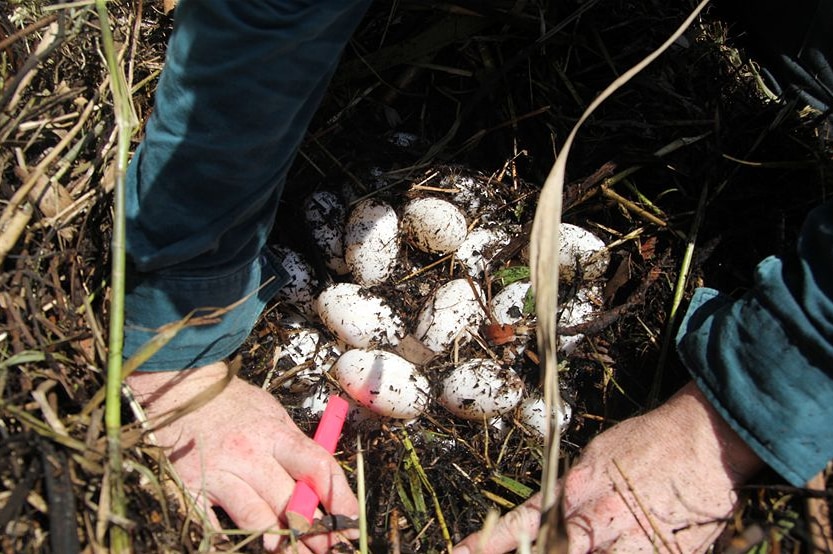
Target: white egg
<point>508,304</point>
<point>433,225</point>
<point>479,389</point>
<point>317,400</point>
<point>448,314</point>
<point>479,247</point>
<point>325,213</point>
<point>579,309</point>
<point>579,248</point>
<point>382,382</point>
<point>471,192</point>
<point>302,283</point>
<point>304,358</point>
<point>533,414</point>
<point>358,317</point>
<point>371,241</point>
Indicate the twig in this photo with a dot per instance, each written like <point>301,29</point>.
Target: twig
<point>31,28</point>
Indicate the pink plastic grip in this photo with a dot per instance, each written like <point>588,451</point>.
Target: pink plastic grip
<point>304,500</point>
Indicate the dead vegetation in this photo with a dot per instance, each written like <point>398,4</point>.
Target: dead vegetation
<point>492,86</point>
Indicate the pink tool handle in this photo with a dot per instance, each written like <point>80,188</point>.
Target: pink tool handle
<point>304,500</point>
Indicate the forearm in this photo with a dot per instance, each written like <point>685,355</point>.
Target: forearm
<point>240,86</point>
<point>765,360</point>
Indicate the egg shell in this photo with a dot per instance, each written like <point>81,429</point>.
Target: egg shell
<point>299,291</point>
<point>480,388</point>
<point>580,248</point>
<point>382,382</point>
<point>508,304</point>
<point>579,309</point>
<point>447,314</point>
<point>371,241</point>
<point>533,415</point>
<point>358,317</point>
<point>433,225</point>
<point>479,247</point>
<point>325,215</point>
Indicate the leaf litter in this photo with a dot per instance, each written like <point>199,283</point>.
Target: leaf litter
<point>488,92</point>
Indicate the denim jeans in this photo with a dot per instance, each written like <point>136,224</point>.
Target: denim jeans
<point>241,82</point>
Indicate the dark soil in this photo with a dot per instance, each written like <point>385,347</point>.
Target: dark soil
<point>496,101</point>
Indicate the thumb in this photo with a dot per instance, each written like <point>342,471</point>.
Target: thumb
<point>504,536</point>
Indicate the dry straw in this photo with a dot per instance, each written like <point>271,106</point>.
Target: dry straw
<point>544,262</point>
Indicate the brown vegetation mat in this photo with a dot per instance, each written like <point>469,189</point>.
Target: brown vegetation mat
<point>493,86</point>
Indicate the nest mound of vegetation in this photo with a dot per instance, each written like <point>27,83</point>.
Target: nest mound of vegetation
<point>692,148</point>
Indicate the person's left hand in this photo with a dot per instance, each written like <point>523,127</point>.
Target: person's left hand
<point>242,452</point>
<point>661,482</point>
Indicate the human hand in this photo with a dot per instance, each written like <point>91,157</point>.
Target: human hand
<point>242,452</point>
<point>661,482</point>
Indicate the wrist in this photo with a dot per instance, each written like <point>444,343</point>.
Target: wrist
<point>170,388</point>
<point>714,437</point>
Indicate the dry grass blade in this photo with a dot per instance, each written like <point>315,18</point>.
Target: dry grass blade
<point>544,262</point>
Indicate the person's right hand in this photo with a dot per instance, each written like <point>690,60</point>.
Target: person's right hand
<point>242,452</point>
<point>661,482</point>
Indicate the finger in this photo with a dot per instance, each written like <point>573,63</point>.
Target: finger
<point>324,542</point>
<point>244,506</point>
<point>204,507</point>
<point>272,483</point>
<point>504,537</point>
<point>306,460</point>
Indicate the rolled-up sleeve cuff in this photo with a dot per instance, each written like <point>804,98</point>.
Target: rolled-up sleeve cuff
<point>154,301</point>
<point>760,380</point>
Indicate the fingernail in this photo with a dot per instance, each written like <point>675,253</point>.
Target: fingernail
<point>271,542</point>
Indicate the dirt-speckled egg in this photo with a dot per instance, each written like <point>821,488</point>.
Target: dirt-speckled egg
<point>325,214</point>
<point>433,225</point>
<point>508,304</point>
<point>449,312</point>
<point>382,382</point>
<point>358,317</point>
<point>304,358</point>
<point>580,251</point>
<point>479,247</point>
<point>533,414</point>
<point>480,388</point>
<point>371,241</point>
<point>579,309</point>
<point>302,283</point>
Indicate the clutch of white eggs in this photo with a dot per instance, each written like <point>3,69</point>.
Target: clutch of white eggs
<point>368,336</point>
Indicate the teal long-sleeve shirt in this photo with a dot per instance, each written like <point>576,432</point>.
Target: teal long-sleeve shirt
<point>765,360</point>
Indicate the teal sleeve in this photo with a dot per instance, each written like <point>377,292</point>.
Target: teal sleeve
<point>765,360</point>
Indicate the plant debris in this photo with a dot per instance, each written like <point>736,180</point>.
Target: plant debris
<point>423,91</point>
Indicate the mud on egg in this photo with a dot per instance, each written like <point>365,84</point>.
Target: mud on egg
<point>382,382</point>
<point>433,225</point>
<point>325,214</point>
<point>480,388</point>
<point>358,317</point>
<point>371,241</point>
<point>449,312</point>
